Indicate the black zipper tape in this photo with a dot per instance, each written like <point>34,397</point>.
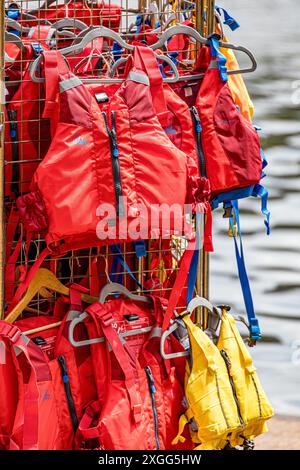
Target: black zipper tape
<point>152,390</point>
<point>67,387</point>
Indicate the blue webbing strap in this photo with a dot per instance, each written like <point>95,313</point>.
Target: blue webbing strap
<point>192,277</point>
<point>262,193</point>
<point>228,19</point>
<point>255,333</point>
<point>116,249</point>
<point>215,52</point>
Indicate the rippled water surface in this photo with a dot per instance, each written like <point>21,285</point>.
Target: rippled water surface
<point>270,28</point>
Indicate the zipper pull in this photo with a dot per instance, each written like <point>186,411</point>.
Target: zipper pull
<point>150,379</point>
<point>13,123</point>
<point>196,116</point>
<point>64,369</point>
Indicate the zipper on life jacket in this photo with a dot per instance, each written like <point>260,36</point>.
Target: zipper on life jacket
<point>68,392</point>
<point>12,115</point>
<point>114,151</point>
<point>228,366</point>
<point>152,390</point>
<point>258,397</point>
<point>198,130</point>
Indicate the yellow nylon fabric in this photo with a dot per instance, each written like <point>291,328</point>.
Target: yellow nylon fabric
<point>254,405</point>
<point>237,85</point>
<point>208,393</point>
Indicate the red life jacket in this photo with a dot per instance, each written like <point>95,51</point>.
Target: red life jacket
<point>34,408</point>
<point>101,13</point>
<point>127,165</point>
<point>139,395</point>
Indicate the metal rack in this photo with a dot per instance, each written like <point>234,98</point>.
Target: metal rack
<point>72,267</point>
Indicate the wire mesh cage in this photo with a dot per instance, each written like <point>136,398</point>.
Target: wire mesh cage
<point>28,28</point>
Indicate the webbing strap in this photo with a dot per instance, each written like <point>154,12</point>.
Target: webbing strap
<point>98,312</point>
<point>192,277</point>
<point>30,275</point>
<point>262,193</point>
<point>31,393</point>
<point>119,259</point>
<point>145,60</point>
<point>179,283</point>
<point>255,333</point>
<point>228,19</point>
<point>54,66</point>
<point>215,52</point>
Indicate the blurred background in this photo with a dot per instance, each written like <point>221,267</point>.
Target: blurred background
<point>270,28</point>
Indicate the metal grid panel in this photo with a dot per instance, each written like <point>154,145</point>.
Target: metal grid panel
<point>31,136</point>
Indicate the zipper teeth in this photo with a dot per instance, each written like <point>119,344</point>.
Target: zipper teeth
<point>258,396</point>
<point>226,360</point>
<point>196,119</point>
<point>115,160</point>
<point>221,404</point>
<point>153,402</point>
<point>67,387</point>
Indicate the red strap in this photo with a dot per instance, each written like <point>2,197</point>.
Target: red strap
<point>41,34</point>
<point>208,243</point>
<point>30,389</point>
<point>54,67</point>
<point>91,413</point>
<point>10,269</point>
<point>25,284</point>
<point>11,228</point>
<point>179,283</point>
<point>144,59</point>
<point>98,312</point>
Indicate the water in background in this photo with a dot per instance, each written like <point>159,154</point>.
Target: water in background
<point>270,28</point>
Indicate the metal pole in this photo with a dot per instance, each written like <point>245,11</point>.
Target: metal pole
<point>203,266</point>
<point>2,103</point>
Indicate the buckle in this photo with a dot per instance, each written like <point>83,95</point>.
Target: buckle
<point>12,332</point>
<point>107,319</point>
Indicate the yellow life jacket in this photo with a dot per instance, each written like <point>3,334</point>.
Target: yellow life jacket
<point>237,85</point>
<point>225,400</point>
<point>211,403</point>
<point>254,406</point>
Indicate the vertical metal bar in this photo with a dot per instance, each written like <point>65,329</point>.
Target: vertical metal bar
<point>210,17</point>
<point>203,266</point>
<point>2,103</point>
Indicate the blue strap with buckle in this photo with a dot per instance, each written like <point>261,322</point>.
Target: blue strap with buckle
<point>192,277</point>
<point>255,333</point>
<point>215,52</point>
<point>228,19</point>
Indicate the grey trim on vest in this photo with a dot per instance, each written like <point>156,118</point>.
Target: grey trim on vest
<point>138,77</point>
<point>156,332</point>
<point>73,314</point>
<point>214,64</point>
<point>2,353</point>
<point>66,85</point>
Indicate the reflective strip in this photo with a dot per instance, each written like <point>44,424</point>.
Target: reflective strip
<point>156,332</point>
<point>139,78</point>
<point>214,64</point>
<point>66,85</point>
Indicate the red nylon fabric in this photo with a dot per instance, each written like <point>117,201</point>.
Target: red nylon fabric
<point>35,413</point>
<point>104,14</point>
<point>73,183</point>
<point>122,416</point>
